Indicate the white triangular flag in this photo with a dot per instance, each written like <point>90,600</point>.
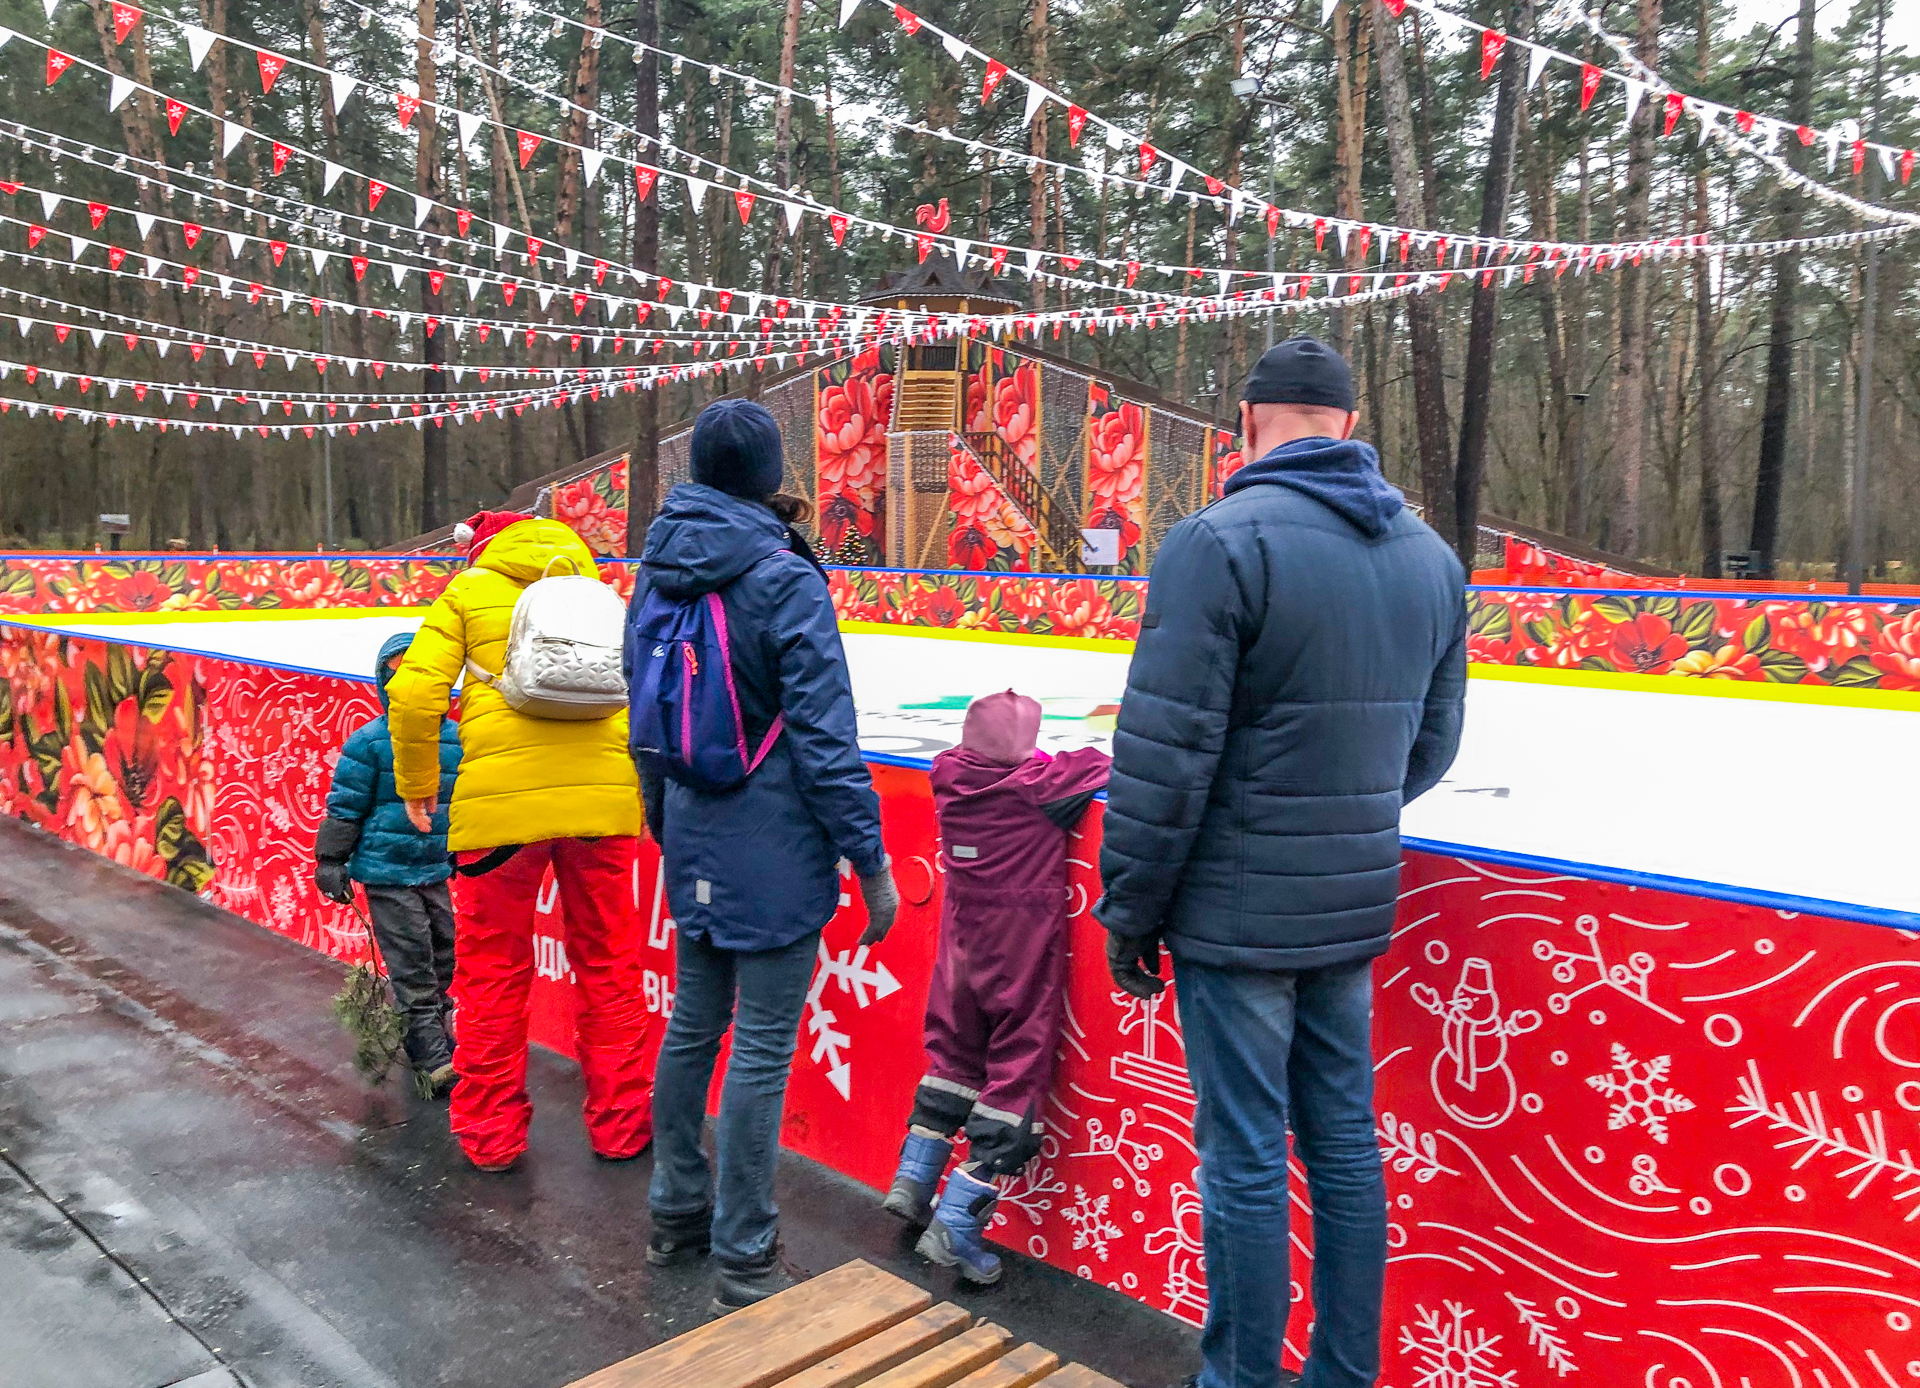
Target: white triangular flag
<point>696,191</point>
<point>286,300</point>
<point>399,273</point>
<point>1033,263</point>
<point>794,210</point>
<point>230,134</point>
<point>469,126</point>
<point>153,267</point>
<point>1036,98</point>
<point>546,295</point>
<point>160,345</point>
<point>1342,230</point>
<point>1448,24</point>
<point>319,259</point>
<point>1635,90</point>
<point>573,261</point>
<point>1772,141</point>
<point>590,162</point>
<point>343,88</point>
<point>1708,114</point>
<point>1233,206</point>
<point>1116,139</point>
<point>293,359</point>
<point>1536,63</point>
<point>144,221</point>
<point>1327,8</point>
<point>474,285</point>
<point>1886,160</point>
<point>49,6</point>
<point>199,43</point>
<point>1833,146</point>
<point>80,245</point>
<point>330,174</point>
<point>960,249</point>
<point>421,207</point>
<point>847,7</point>
<point>120,89</point>
<point>236,243</point>
<point>956,50</point>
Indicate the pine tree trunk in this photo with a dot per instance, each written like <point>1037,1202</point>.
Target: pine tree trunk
<point>643,464</point>
<point>1037,175</point>
<point>1429,382</point>
<point>1712,541</point>
<point>426,184</point>
<point>1630,375</point>
<point>1476,391</point>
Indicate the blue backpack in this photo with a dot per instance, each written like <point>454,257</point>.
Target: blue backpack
<point>685,710</point>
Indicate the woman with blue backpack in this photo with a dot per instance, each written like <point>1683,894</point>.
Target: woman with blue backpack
<point>743,727</point>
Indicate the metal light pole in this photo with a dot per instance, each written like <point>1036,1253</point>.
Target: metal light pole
<point>1862,444</point>
<point>1249,88</point>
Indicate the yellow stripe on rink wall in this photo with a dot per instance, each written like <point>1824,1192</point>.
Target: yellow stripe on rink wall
<point>70,620</point>
<point>1904,700</point>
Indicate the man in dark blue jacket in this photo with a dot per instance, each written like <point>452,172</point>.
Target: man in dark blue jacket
<point>1300,676</point>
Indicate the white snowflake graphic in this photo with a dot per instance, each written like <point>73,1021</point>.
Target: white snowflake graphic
<point>866,983</point>
<point>1092,1226</point>
<point>1641,1093</point>
<point>1452,1353</point>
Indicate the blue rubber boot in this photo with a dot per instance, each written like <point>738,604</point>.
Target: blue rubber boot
<point>956,1238</point>
<point>922,1159</point>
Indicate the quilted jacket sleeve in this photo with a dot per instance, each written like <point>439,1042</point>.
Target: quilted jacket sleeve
<point>1173,724</point>
<point>1439,736</point>
<point>816,699</point>
<point>355,779</point>
<point>419,694</point>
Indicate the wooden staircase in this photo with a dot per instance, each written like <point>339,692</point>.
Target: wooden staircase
<point>1058,532</point>
<point>854,1327</point>
<point>926,401</point>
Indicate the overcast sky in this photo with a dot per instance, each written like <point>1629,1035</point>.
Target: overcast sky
<point>1903,17</point>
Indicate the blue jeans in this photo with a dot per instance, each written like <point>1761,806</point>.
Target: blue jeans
<point>1267,1051</point>
<point>761,995</point>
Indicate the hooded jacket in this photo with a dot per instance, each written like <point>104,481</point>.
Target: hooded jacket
<point>755,868</point>
<point>389,851</point>
<point>522,779</point>
<point>1299,677</point>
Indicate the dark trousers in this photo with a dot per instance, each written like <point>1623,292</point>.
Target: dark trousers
<point>414,928</point>
<point>1269,1051</point>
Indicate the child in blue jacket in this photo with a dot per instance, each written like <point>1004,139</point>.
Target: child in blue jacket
<point>367,838</point>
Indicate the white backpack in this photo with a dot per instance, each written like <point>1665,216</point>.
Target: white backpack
<point>563,651</point>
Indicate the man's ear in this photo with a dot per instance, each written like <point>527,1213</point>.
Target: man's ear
<point>1246,426</point>
<point>1353,418</point>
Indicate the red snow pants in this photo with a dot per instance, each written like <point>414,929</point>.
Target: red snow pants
<point>493,972</point>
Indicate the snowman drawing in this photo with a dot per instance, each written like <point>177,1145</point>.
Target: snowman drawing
<point>1471,1078</point>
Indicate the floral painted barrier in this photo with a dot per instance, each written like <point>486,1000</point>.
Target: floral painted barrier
<point>596,507</point>
<point>852,414</point>
<point>207,774</point>
<point>987,532</point>
<point>1224,458</point>
<point>1630,1136</point>
<point>1028,604</point>
<point>1003,397</point>
<point>1117,444</point>
<point>1533,566</point>
<point>48,584</point>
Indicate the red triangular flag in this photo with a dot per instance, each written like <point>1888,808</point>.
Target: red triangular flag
<point>1147,155</point>
<point>190,273</point>
<point>1076,123</point>
<point>436,279</point>
<point>1589,84</point>
<point>837,224</point>
<point>57,63</point>
<point>999,259</point>
<point>1215,186</point>
<point>508,290</point>
<point>908,19</point>
<point>743,200</point>
<point>271,66</point>
<point>409,108</point>
<point>375,191</point>
<point>1859,156</point>
<point>98,212</point>
<point>278,249</point>
<point>925,244</point>
<point>1805,132</point>
<point>600,268</point>
<point>115,257</point>
<point>360,263</point>
<point>35,234</point>
<point>124,19</point>
<point>61,330</point>
<point>280,156</point>
<point>529,142</point>
<point>1743,122</point>
<point>198,349</point>
<point>190,233</point>
<point>579,302</point>
<point>1395,7</point>
<point>1676,103</point>
<point>643,178</point>
<point>534,244</point>
<point>996,73</point>
<point>1906,166</point>
<point>465,220</point>
<point>1273,221</point>
<point>176,111</point>
<point>1491,42</point>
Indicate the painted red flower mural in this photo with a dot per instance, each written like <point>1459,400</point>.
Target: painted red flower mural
<point>44,585</point>
<point>1117,471</point>
<point>852,413</point>
<point>596,507</point>
<point>989,532</point>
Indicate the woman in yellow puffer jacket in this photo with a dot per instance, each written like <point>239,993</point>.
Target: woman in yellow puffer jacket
<point>532,793</point>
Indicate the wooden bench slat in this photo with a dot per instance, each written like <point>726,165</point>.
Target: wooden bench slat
<point>1020,1368</point>
<point>1078,1376</point>
<point>759,1346</point>
<point>888,1349</point>
<point>947,1364</point>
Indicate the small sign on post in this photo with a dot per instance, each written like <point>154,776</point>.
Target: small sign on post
<point>1100,549</point>
<point>116,524</point>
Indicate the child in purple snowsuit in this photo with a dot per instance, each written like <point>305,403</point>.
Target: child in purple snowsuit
<point>999,993</point>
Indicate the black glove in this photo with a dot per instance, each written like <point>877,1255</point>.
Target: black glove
<point>1134,962</point>
<point>332,880</point>
<point>883,903</point>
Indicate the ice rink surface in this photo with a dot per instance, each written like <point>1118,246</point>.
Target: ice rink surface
<point>1771,797</point>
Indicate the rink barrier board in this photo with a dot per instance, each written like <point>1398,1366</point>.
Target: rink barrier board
<point>1628,1131</point>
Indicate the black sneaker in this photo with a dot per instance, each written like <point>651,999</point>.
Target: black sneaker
<point>675,1241</point>
<point>738,1287</point>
